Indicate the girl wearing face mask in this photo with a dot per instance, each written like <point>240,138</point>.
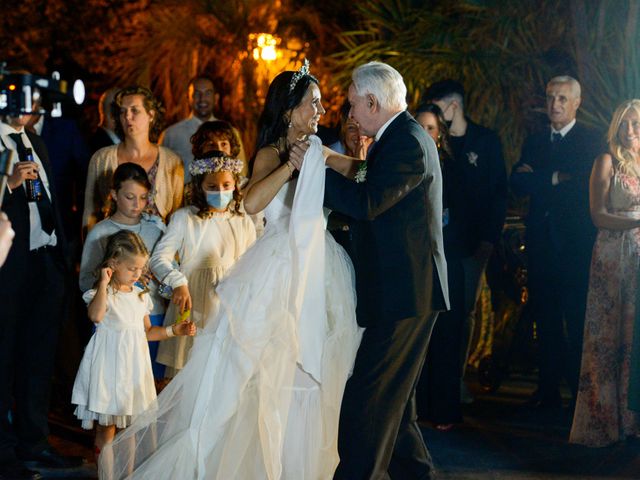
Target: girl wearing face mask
<point>202,242</point>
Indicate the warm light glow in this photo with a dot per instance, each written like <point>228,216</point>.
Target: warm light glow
<point>266,46</point>
<point>12,87</point>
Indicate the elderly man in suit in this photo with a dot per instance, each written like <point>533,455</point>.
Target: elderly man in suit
<point>554,172</point>
<point>401,279</point>
<point>32,292</point>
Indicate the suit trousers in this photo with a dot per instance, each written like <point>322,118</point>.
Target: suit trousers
<point>438,390</point>
<point>32,315</point>
<point>379,438</point>
<point>558,285</point>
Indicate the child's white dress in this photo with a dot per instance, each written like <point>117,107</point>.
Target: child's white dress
<point>206,249</point>
<point>115,380</point>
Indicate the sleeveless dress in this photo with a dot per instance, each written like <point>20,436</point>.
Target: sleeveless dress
<point>602,415</point>
<point>260,396</point>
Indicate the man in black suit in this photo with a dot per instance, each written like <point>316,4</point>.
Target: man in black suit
<point>554,172</point>
<point>32,291</point>
<point>401,280</point>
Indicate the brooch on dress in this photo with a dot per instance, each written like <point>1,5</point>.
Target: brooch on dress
<point>473,158</point>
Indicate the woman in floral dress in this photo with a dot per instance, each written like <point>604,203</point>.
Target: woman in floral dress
<point>604,413</point>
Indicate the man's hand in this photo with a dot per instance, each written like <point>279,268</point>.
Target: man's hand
<point>6,237</point>
<point>524,168</point>
<point>296,153</point>
<point>22,171</point>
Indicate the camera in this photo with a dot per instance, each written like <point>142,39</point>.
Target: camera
<point>24,93</point>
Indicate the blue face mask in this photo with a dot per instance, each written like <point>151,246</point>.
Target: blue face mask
<point>219,199</point>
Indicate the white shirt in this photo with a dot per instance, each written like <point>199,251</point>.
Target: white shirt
<point>37,237</point>
<point>178,138</point>
<point>563,131</point>
<point>384,127</point>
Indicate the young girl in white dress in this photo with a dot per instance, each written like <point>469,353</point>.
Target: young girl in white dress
<point>129,194</point>
<point>259,398</point>
<point>207,237</point>
<point>114,381</point>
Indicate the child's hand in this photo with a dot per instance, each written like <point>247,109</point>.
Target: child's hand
<point>185,328</point>
<point>105,275</point>
<point>182,298</point>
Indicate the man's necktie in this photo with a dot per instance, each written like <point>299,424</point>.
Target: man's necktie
<point>44,204</point>
<point>556,137</point>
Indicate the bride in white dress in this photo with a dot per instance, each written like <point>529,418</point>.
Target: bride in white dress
<point>260,395</point>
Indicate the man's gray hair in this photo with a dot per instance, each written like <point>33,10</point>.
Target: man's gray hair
<point>575,85</point>
<point>383,82</point>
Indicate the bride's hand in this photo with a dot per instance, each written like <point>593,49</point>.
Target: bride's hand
<point>296,153</point>
<point>363,147</point>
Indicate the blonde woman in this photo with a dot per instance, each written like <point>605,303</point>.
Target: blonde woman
<point>605,404</point>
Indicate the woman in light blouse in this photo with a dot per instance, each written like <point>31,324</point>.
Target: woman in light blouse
<point>139,124</point>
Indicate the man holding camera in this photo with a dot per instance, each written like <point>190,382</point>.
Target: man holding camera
<point>32,292</point>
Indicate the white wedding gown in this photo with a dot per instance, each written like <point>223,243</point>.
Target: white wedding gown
<point>260,395</point>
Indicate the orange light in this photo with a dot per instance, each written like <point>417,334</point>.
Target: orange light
<point>12,87</point>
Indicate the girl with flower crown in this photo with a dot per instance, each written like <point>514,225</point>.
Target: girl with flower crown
<point>206,237</point>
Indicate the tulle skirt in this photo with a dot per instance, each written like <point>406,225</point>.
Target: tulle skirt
<point>242,408</point>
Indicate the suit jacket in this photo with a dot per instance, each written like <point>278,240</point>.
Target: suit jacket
<point>476,189</point>
<point>69,158</point>
<point>16,207</point>
<point>397,230</point>
<point>559,215</point>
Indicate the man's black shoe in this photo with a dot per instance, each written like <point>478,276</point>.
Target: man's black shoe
<point>17,471</point>
<point>49,458</point>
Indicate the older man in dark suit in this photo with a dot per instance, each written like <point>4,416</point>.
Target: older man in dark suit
<point>396,204</point>
<point>32,290</point>
<point>554,172</point>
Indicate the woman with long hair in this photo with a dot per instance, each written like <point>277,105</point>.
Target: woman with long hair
<point>608,402</point>
<point>260,395</point>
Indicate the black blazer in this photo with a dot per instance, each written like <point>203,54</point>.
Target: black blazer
<point>479,185</point>
<point>16,207</point>
<point>397,228</point>
<point>559,214</point>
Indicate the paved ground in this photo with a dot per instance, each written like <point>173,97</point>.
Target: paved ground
<point>500,439</point>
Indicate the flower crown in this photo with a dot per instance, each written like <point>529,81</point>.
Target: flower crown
<point>304,70</point>
<point>216,164</point>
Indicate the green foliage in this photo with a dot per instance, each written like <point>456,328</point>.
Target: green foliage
<point>503,51</point>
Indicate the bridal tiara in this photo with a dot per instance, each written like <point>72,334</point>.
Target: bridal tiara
<point>304,70</point>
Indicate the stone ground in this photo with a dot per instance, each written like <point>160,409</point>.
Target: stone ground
<point>499,439</point>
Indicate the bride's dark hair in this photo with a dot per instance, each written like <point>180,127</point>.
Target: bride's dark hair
<point>272,125</point>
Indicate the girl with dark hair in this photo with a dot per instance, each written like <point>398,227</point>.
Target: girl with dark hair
<point>260,395</point>
<point>206,237</point>
<point>127,201</point>
<point>139,120</point>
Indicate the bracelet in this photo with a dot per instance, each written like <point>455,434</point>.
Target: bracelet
<point>169,331</point>
<point>290,168</point>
